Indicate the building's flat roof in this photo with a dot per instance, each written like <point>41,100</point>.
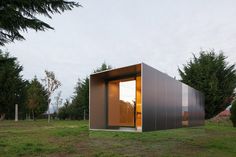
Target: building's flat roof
<point>119,72</point>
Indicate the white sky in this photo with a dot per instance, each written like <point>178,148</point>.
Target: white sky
<point>163,34</point>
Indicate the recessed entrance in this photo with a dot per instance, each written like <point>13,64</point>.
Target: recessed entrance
<point>124,103</point>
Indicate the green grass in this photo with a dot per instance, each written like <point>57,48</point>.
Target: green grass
<point>72,138</point>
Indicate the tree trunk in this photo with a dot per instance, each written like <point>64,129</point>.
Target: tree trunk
<point>48,111</point>
<point>33,114</point>
<point>2,116</point>
<point>48,117</point>
<point>29,118</point>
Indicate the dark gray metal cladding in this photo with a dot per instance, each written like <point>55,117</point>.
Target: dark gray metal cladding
<point>160,109</point>
<point>149,98</point>
<point>196,107</point>
<point>162,100</point>
<point>178,106</point>
<point>191,101</point>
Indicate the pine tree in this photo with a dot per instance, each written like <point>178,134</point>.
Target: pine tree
<point>37,99</point>
<point>12,86</point>
<point>20,15</point>
<point>214,76</point>
<point>80,100</point>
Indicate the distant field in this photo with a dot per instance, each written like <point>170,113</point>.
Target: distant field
<point>72,138</point>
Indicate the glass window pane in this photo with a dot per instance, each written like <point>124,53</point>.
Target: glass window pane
<point>127,102</point>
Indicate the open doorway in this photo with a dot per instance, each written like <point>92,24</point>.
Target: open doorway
<point>124,103</point>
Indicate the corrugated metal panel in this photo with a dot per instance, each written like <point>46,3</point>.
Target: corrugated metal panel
<point>148,98</point>
<point>190,106</point>
<point>196,107</point>
<point>178,107</point>
<point>162,100</point>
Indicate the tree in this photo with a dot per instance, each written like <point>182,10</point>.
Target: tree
<point>12,86</point>
<point>79,107</point>
<point>20,15</point>
<point>37,98</point>
<point>214,76</point>
<point>50,84</point>
<point>103,67</point>
<point>65,111</point>
<point>80,100</point>
<point>233,113</point>
<point>58,102</point>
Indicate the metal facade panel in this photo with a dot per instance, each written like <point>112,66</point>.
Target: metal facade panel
<point>201,111</point>
<point>190,106</point>
<point>148,98</point>
<point>162,100</point>
<point>168,102</point>
<point>197,115</point>
<point>202,118</point>
<point>173,103</point>
<point>178,106</point>
<point>97,105</point>
<point>196,107</point>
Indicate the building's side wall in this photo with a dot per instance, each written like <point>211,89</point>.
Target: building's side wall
<point>97,105</point>
<point>162,100</point>
<point>195,107</point>
<point>148,98</point>
<point>202,108</point>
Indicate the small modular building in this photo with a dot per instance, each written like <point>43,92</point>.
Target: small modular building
<point>141,98</point>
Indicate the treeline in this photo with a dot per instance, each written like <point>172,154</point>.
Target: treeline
<point>34,96</point>
<point>13,87</point>
<point>209,73</point>
<point>78,108</point>
<point>31,96</point>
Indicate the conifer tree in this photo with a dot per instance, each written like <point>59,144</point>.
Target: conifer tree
<point>20,15</point>
<point>37,98</point>
<point>214,76</point>
<point>12,86</point>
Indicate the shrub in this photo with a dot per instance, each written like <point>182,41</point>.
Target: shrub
<point>233,113</point>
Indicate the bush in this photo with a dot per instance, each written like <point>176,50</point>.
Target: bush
<point>233,113</point>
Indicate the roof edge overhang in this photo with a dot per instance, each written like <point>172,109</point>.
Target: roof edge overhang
<point>119,72</point>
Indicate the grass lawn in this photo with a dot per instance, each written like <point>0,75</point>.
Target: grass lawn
<point>72,138</point>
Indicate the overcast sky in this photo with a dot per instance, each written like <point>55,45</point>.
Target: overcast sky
<point>162,34</point>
